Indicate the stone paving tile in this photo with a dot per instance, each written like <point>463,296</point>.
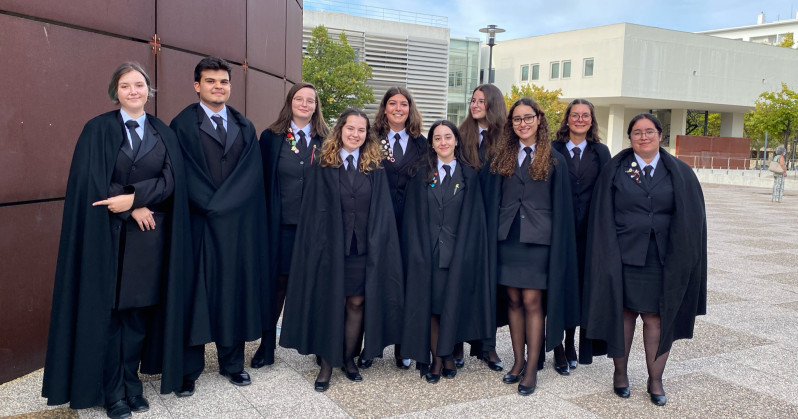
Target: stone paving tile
<point>538,405</point>
<point>57,413</point>
<point>214,395</point>
<point>792,306</point>
<point>24,395</point>
<point>781,278</point>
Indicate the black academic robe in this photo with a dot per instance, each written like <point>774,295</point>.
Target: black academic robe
<point>583,181</point>
<point>229,237</point>
<point>86,273</point>
<point>684,294</point>
<point>399,173</point>
<point>562,294</point>
<point>313,318</point>
<point>467,307</point>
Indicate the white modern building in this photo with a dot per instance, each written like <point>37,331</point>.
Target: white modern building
<point>626,69</point>
<point>769,33</point>
<point>413,55</point>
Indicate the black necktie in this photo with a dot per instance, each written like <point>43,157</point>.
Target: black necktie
<point>350,168</point>
<point>528,158</point>
<point>482,142</point>
<point>220,128</point>
<point>301,143</point>
<point>398,153</point>
<point>577,157</point>
<point>648,169</point>
<point>448,179</point>
<point>134,136</point>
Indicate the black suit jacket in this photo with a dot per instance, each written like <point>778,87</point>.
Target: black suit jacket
<point>355,203</point>
<point>583,179</point>
<point>444,214</point>
<point>399,174</point>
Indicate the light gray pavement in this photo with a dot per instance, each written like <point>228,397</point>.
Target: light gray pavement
<point>741,362</point>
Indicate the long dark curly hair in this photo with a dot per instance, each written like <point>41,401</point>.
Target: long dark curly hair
<point>506,158</point>
<point>370,152</point>
<point>564,132</point>
<point>413,122</point>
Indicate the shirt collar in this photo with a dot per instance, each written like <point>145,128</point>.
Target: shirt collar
<point>126,117</point>
<point>403,136</point>
<point>582,146</point>
<point>452,164</point>
<point>643,164</point>
<point>355,153</point>
<point>479,133</point>
<point>295,129</point>
<point>210,113</point>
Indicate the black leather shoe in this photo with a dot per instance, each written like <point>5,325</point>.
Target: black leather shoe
<point>138,404</point>
<point>259,362</point>
<point>570,355</point>
<point>364,363</point>
<point>118,410</point>
<point>495,366</point>
<point>562,369</point>
<point>402,363</point>
<point>622,392</point>
<point>459,363</point>
<point>352,376</point>
<point>186,389</point>
<point>524,390</point>
<point>572,363</point>
<point>514,378</point>
<point>423,369</point>
<point>321,386</point>
<point>432,378</point>
<point>240,378</point>
<point>657,399</point>
<point>449,374</point>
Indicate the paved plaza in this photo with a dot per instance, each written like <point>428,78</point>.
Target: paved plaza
<point>740,363</point>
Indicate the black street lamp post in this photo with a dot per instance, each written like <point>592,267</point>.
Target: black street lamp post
<point>491,30</point>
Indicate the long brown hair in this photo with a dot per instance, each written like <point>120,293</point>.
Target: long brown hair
<point>318,128</point>
<point>413,122</point>
<point>564,132</point>
<point>496,113</point>
<point>507,147</point>
<point>370,152</point>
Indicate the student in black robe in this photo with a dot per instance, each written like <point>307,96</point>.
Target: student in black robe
<point>480,130</point>
<point>224,172</point>
<point>290,147</point>
<point>578,141</point>
<point>447,299</point>
<point>346,268</point>
<point>397,126</point>
<point>122,259</point>
<point>646,255</point>
<point>530,219</point>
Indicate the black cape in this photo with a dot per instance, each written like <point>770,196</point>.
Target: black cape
<point>561,303</point>
<point>86,271</point>
<point>467,310</point>
<point>313,318</point>
<point>685,271</point>
<point>229,238</point>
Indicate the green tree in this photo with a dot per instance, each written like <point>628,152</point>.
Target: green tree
<point>695,124</point>
<point>339,78</point>
<point>788,41</point>
<point>549,100</point>
<point>775,113</point>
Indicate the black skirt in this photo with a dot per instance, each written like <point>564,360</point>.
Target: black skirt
<point>642,285</point>
<point>354,272</point>
<point>522,265</point>
<point>287,236</point>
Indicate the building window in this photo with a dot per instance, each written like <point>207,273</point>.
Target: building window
<point>555,70</point>
<point>524,73</point>
<point>455,78</point>
<point>588,70</point>
<point>535,71</point>
<point>566,69</point>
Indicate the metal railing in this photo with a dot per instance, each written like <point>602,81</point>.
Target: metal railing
<point>740,165</point>
<point>375,12</point>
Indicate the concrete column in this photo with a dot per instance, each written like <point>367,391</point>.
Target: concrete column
<point>678,127</point>
<point>731,124</point>
<point>616,129</point>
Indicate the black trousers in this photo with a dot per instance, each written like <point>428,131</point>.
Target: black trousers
<point>124,343</point>
<point>231,359</point>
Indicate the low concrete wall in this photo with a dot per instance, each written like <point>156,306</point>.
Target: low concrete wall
<point>759,178</point>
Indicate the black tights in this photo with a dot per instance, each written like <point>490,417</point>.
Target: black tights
<point>654,364</point>
<point>526,328</point>
<point>566,351</point>
<point>437,362</point>
<point>352,326</point>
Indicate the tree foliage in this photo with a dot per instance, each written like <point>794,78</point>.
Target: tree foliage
<point>339,78</point>
<point>549,101</point>
<point>695,124</point>
<point>775,113</point>
<point>788,41</point>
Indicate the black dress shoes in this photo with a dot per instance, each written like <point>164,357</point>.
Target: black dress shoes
<point>364,363</point>
<point>240,378</point>
<point>258,362</point>
<point>118,410</point>
<point>321,386</point>
<point>514,378</point>
<point>495,366</point>
<point>423,369</point>
<point>562,369</point>
<point>402,363</point>
<point>138,404</point>
<point>657,399</point>
<point>524,390</point>
<point>622,392</point>
<point>186,389</point>
<point>449,374</point>
<point>570,355</point>
<point>432,378</point>
<point>459,363</point>
<point>352,376</point>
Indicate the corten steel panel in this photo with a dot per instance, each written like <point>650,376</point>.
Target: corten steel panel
<point>60,81</point>
<point>293,44</point>
<point>266,35</point>
<point>135,19</point>
<point>176,83</point>
<point>207,27</point>
<point>265,97</point>
<point>29,245</point>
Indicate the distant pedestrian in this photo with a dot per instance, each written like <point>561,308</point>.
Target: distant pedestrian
<point>778,178</point>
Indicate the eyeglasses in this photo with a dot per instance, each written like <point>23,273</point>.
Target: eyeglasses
<point>528,119</point>
<point>477,101</point>
<point>584,116</point>
<point>649,133</point>
<point>299,101</point>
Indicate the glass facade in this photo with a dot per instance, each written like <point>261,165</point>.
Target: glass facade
<point>463,77</point>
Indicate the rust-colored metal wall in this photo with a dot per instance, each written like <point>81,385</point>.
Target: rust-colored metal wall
<point>714,152</point>
<point>58,58</point>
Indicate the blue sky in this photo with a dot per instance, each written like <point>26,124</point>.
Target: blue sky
<point>534,17</point>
